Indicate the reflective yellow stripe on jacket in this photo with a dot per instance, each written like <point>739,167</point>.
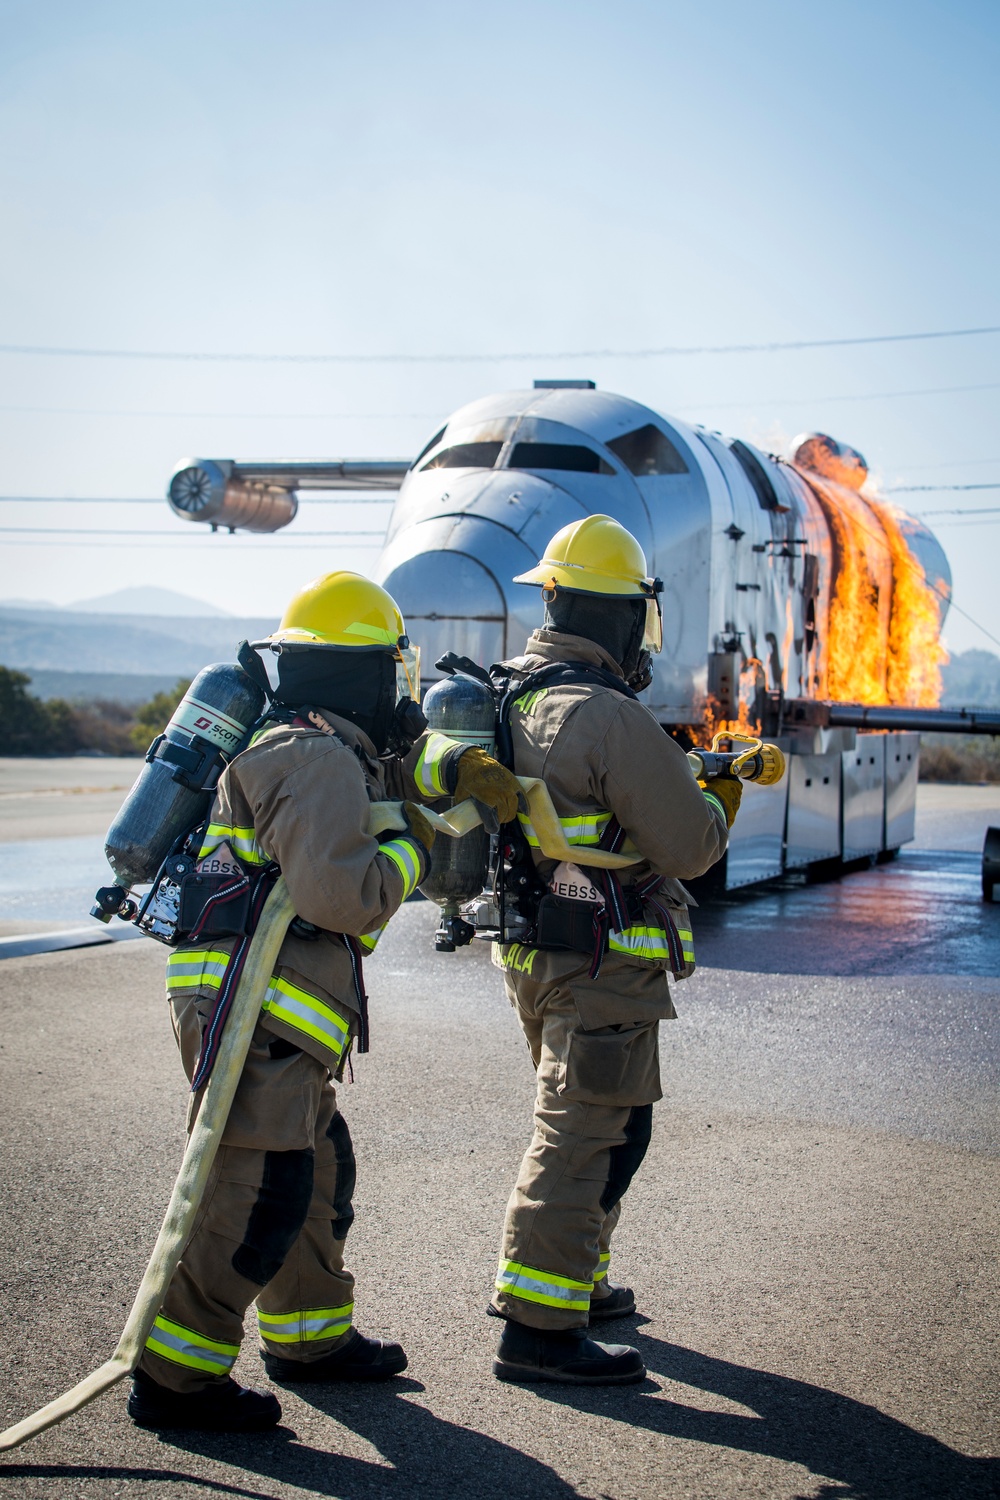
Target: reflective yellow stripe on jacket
<point>198,968</point>
<point>205,968</point>
<point>715,805</point>
<point>297,1008</point>
<point>184,1346</point>
<point>650,943</point>
<point>429,772</point>
<point>306,1326</point>
<point>588,828</point>
<point>242,841</point>
<point>407,854</point>
<point>532,1285</point>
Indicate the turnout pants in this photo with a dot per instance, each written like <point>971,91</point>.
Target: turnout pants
<point>271,1226</point>
<point>593,1116</point>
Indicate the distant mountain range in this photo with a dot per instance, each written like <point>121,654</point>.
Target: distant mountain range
<point>138,601</point>
<point>81,641</point>
<point>972,680</point>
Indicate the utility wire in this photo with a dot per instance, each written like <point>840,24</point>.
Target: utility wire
<point>255,416</point>
<point>937,390</point>
<point>883,541</point>
<point>89,531</point>
<point>771,347</point>
<point>96,543</point>
<point>431,416</point>
<point>356,499</point>
<point>985,510</point>
<point>915,489</point>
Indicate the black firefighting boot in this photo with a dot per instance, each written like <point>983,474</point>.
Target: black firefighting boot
<point>222,1407</point>
<point>569,1356</point>
<point>356,1359</point>
<point>619,1303</point>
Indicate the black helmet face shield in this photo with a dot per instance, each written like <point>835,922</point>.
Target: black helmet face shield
<point>369,686</point>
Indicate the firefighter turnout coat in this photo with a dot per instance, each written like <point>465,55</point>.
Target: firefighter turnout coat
<point>277,1208</point>
<point>300,797</point>
<point>610,770</point>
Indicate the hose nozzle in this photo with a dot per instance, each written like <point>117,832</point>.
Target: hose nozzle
<point>753,761</point>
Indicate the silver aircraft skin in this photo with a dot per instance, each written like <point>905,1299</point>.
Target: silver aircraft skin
<point>740,539</point>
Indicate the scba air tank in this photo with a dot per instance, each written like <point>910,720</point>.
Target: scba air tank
<point>173,791</point>
<point>463,709</point>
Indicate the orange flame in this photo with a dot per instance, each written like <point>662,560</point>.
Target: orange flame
<point>751,678</point>
<point>882,641</point>
<point>916,654</point>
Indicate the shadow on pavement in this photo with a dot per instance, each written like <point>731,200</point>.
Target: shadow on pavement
<point>424,1456</point>
<point>855,1451</point>
<point>861,1453</point>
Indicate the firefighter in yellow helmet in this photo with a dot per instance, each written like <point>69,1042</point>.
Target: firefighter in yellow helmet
<point>338,735</point>
<point>589,980</point>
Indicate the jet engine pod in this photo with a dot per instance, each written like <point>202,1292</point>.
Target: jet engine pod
<point>213,492</point>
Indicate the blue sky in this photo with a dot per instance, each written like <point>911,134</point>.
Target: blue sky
<point>471,179</point>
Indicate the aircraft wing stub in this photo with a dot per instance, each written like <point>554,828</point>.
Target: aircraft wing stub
<point>251,496</point>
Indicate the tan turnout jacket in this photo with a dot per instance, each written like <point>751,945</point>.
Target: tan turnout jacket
<point>300,798</point>
<point>601,755</point>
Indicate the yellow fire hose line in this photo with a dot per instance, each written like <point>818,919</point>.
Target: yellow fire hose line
<point>552,841</point>
<point>207,1133</point>
<point>191,1179</point>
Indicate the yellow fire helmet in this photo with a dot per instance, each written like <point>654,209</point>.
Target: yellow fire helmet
<point>345,610</point>
<point>598,556</point>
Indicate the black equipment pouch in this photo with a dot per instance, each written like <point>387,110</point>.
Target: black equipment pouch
<point>214,906</point>
<point>565,926</point>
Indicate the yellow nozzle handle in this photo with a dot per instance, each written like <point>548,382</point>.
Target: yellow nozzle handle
<point>759,762</point>
<point>754,746</point>
<point>384,817</point>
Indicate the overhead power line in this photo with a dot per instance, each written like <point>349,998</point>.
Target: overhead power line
<point>937,390</point>
<point>313,498</point>
<point>100,542</point>
<point>664,351</point>
<point>986,510</point>
<point>431,416</point>
<point>218,416</point>
<point>914,566</point>
<point>174,535</point>
<point>920,489</point>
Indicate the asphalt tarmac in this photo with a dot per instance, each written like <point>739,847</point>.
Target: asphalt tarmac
<point>812,1238</point>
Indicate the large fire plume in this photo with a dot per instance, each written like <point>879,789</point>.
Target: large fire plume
<point>882,636</point>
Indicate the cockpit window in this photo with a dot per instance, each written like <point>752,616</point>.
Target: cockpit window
<point>428,446</point>
<point>648,451</point>
<point>570,456</point>
<point>466,456</point>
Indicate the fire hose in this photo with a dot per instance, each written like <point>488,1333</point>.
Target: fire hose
<point>206,1135</point>
<point>752,761</point>
<point>461,819</point>
<point>203,1143</point>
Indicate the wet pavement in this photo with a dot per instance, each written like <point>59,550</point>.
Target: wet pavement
<point>921,914</point>
<point>812,1237</point>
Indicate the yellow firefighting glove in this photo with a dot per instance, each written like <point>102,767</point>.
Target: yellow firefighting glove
<point>485,779</point>
<point>418,825</point>
<point>728,790</point>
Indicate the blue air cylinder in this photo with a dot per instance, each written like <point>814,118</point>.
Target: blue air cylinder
<point>175,787</point>
<point>463,709</point>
